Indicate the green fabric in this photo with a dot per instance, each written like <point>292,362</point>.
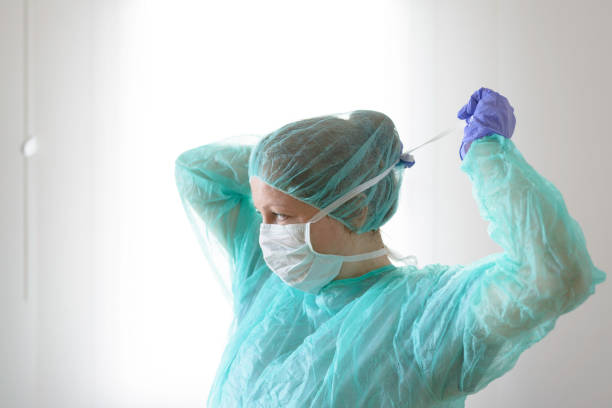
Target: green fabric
<point>397,336</point>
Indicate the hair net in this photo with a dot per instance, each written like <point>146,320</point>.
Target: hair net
<point>320,159</point>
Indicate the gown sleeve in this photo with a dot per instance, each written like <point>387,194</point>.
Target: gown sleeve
<point>478,319</point>
<point>213,186</point>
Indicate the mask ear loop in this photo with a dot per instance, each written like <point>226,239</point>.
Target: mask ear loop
<point>440,135</point>
<point>351,194</point>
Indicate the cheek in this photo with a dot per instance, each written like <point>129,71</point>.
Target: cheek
<point>327,238</point>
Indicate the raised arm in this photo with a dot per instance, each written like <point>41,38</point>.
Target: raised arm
<point>212,182</point>
<point>480,318</point>
<point>546,257</point>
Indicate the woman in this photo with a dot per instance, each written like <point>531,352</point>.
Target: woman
<point>322,318</point>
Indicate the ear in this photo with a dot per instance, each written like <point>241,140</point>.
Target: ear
<point>361,219</point>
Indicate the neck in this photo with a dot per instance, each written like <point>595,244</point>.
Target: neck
<point>355,269</point>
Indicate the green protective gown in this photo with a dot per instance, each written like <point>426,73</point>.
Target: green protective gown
<point>398,336</point>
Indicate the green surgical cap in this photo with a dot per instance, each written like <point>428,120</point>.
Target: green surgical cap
<point>318,160</point>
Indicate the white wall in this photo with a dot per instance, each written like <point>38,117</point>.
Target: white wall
<point>17,303</point>
<point>110,280</point>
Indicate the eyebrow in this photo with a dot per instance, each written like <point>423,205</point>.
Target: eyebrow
<point>276,207</point>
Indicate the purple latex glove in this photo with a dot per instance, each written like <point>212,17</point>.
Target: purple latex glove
<point>486,112</point>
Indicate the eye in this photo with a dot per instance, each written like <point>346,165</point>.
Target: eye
<point>281,215</point>
<point>284,217</point>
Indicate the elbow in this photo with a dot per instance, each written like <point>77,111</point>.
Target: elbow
<point>569,285</point>
<point>578,287</point>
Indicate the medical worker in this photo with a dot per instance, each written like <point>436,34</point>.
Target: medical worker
<point>323,318</point>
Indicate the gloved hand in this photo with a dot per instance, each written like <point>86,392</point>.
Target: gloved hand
<point>486,112</point>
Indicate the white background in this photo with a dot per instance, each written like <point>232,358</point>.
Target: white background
<point>105,297</point>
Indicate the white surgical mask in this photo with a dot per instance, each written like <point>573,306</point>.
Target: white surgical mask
<point>288,252</point>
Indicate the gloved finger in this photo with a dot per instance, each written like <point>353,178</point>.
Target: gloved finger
<point>462,114</point>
